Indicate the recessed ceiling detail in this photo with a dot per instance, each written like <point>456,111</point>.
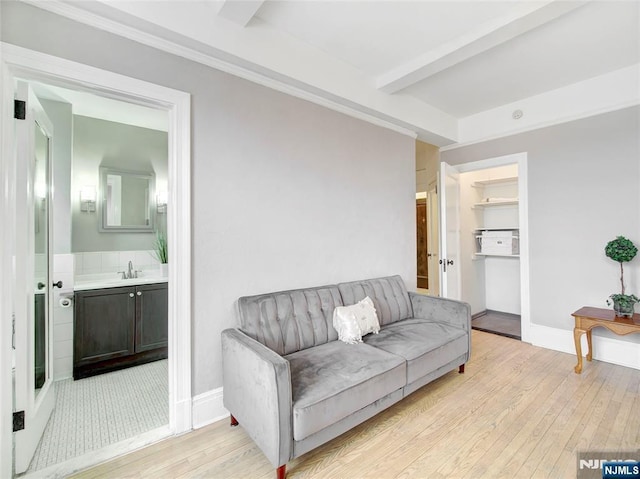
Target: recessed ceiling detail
<point>424,66</point>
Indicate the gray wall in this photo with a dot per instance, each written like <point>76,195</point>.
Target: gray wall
<point>583,182</point>
<point>60,115</point>
<point>99,143</point>
<point>285,193</point>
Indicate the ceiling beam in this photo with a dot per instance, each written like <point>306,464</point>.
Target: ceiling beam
<point>526,17</point>
<point>240,11</point>
<point>264,55</point>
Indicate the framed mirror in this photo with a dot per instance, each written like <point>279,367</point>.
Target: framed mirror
<point>127,200</point>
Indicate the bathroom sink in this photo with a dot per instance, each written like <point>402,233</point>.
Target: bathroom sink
<point>99,281</point>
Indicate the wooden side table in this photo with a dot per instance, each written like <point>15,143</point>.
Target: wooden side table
<point>588,318</point>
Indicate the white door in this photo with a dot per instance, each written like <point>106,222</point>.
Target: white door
<point>34,389</point>
<point>449,194</point>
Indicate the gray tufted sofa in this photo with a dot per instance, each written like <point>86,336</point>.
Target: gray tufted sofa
<point>293,385</point>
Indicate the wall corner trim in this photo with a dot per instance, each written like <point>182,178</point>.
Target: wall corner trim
<point>208,408</point>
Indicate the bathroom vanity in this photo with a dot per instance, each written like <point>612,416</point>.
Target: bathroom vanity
<point>119,324</point>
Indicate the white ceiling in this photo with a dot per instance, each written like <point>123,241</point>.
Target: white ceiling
<point>376,37</point>
<point>590,41</point>
<point>424,66</point>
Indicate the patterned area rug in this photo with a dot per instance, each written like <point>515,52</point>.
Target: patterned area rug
<point>95,412</point>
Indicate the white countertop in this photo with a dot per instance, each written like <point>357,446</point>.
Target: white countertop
<point>114,280</point>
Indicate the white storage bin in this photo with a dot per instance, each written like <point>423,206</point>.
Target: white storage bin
<point>499,243</point>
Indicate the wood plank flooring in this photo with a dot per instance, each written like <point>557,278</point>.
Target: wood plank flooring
<point>519,411</point>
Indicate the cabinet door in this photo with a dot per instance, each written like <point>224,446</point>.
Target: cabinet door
<point>104,324</point>
<point>151,317</point>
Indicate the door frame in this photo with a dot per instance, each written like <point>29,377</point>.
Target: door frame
<point>35,66</point>
<point>519,159</point>
<point>433,225</point>
<point>421,198</point>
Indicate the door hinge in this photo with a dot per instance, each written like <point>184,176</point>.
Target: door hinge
<point>20,109</point>
<point>18,421</point>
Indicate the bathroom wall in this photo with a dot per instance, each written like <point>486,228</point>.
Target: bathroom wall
<point>79,146</point>
<point>62,318</point>
<point>99,143</point>
<point>61,116</point>
<point>107,262</point>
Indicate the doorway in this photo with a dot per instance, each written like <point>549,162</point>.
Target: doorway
<point>427,241</point>
<point>427,237</point>
<point>111,380</point>
<point>485,241</point>
<point>422,243</point>
<point>33,66</point>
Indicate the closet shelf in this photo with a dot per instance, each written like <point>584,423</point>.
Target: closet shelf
<point>489,204</point>
<point>498,255</point>
<point>511,180</point>
<point>501,228</point>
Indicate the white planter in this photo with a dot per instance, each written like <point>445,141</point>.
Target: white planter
<point>164,270</point>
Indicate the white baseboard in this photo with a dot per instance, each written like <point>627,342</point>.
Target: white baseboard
<point>608,350</point>
<point>182,418</point>
<point>208,408</point>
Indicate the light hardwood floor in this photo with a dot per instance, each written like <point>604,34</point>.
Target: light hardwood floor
<point>519,411</point>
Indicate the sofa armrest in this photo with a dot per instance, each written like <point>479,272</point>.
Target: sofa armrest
<point>257,392</point>
<point>457,313</point>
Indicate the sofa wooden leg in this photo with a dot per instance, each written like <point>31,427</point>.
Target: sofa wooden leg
<point>461,369</point>
<point>234,421</point>
<point>281,472</point>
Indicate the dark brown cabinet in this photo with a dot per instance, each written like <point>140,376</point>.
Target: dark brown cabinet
<point>151,317</point>
<point>115,328</point>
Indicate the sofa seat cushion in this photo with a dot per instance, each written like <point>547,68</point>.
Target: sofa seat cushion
<point>426,345</point>
<point>333,380</point>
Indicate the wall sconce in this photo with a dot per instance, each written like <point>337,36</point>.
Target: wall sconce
<point>40,193</point>
<point>161,201</point>
<point>88,199</point>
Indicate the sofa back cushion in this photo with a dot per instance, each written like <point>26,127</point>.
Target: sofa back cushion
<point>290,321</point>
<point>389,295</point>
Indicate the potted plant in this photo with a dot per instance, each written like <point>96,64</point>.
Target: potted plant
<point>161,253</point>
<point>622,250</point>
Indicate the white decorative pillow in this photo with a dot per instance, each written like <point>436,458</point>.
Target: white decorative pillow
<point>367,317</point>
<point>353,322</point>
<point>346,324</point>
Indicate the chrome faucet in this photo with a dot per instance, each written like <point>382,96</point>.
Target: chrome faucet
<point>130,270</point>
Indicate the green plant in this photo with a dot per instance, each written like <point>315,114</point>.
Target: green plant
<point>160,246</point>
<point>621,250</point>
